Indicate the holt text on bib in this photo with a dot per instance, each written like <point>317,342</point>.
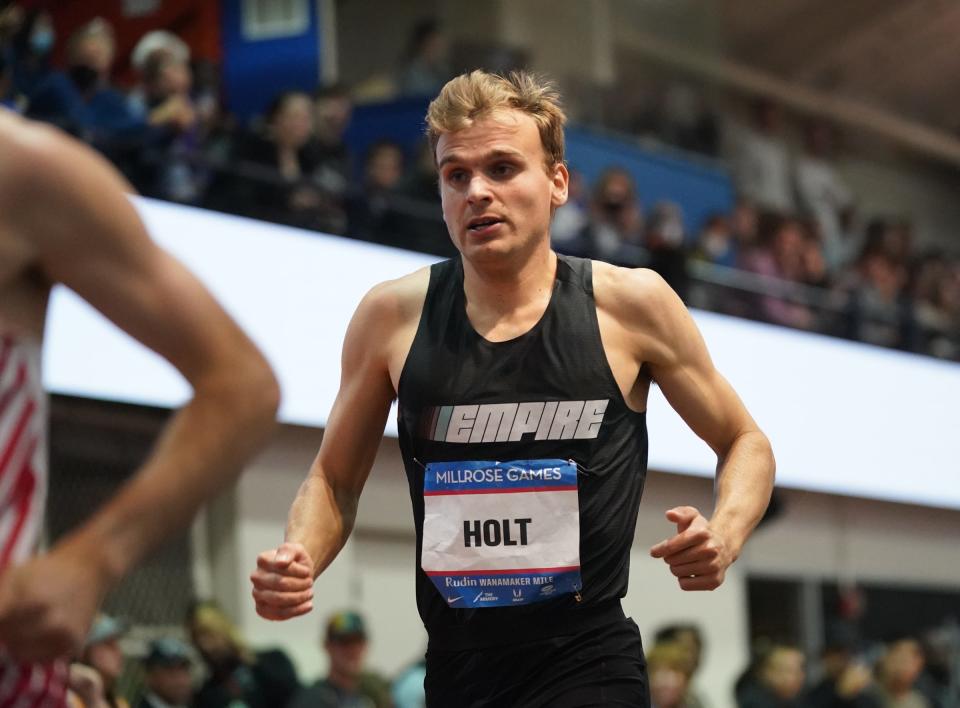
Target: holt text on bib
<point>501,533</point>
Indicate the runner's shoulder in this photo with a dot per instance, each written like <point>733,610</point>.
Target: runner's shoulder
<point>27,145</point>
<point>635,297</point>
<point>42,159</point>
<point>395,303</point>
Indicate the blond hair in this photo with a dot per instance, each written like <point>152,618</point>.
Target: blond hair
<point>207,616</point>
<point>479,94</point>
<point>670,655</point>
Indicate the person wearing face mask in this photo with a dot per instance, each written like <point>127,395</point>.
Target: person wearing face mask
<point>616,228</point>
<point>83,102</point>
<point>31,48</point>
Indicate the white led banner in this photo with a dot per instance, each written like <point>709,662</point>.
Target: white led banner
<point>845,418</point>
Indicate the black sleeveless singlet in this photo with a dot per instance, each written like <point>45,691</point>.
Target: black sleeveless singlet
<point>560,361</point>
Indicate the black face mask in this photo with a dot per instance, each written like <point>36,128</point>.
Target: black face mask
<point>613,208</point>
<point>84,77</point>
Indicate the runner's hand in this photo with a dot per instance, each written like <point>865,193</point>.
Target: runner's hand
<point>697,555</point>
<point>283,582</point>
<point>47,605</point>
<point>85,682</point>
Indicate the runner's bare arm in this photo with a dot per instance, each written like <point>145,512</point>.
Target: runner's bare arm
<point>323,513</point>
<point>680,364</point>
<point>83,231</point>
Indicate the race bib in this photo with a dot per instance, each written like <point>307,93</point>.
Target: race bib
<point>501,533</point>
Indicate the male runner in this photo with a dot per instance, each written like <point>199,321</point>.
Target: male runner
<point>65,217</point>
<point>522,378</point>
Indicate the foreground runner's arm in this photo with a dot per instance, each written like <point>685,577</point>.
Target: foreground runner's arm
<point>324,511</point>
<point>702,550</point>
<point>68,207</point>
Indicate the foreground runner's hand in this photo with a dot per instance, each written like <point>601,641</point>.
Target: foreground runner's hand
<point>47,605</point>
<point>697,555</point>
<point>283,582</point>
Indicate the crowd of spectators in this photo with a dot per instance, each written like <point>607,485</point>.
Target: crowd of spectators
<point>217,668</point>
<point>792,251</point>
<point>822,264</point>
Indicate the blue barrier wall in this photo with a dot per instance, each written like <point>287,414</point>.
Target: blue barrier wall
<point>251,67</point>
<point>401,121</point>
<point>698,189</point>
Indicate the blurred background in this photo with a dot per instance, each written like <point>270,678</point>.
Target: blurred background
<point>792,163</point>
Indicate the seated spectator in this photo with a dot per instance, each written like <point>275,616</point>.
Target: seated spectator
<point>275,170</point>
<point>878,311</point>
<point>167,676</point>
<point>169,165</point>
<point>11,21</point>
<point>615,231</point>
<point>84,103</point>
<point>370,215</point>
<point>761,161</point>
<point>664,240</point>
<point>716,243</point>
<point>823,195</point>
<point>383,169</point>
<point>689,639</point>
<point>407,690</point>
<point>899,242</point>
<point>940,649</point>
<point>778,679</point>
<point>744,223</point>
<point>332,109</point>
<point>847,682</point>
<point>424,68</point>
<point>897,672</point>
<point>32,47</point>
<point>236,674</point>
<point>102,652</point>
<point>419,216</point>
<point>347,685</point>
<point>935,294</point>
<point>162,62</point>
<point>783,255</point>
<point>668,666</point>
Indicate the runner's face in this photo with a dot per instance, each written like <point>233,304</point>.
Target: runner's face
<point>497,195</point>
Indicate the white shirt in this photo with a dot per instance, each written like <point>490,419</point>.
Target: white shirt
<point>824,196</point>
<point>761,168</point>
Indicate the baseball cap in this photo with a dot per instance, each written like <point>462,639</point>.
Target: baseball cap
<point>167,651</point>
<point>346,625</point>
<point>105,628</point>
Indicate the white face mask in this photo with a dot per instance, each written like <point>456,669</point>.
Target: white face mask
<point>41,41</point>
<point>716,244</point>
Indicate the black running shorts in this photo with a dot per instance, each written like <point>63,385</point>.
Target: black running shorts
<point>597,667</point>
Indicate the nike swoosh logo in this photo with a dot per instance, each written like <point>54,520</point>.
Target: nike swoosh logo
<point>454,599</point>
